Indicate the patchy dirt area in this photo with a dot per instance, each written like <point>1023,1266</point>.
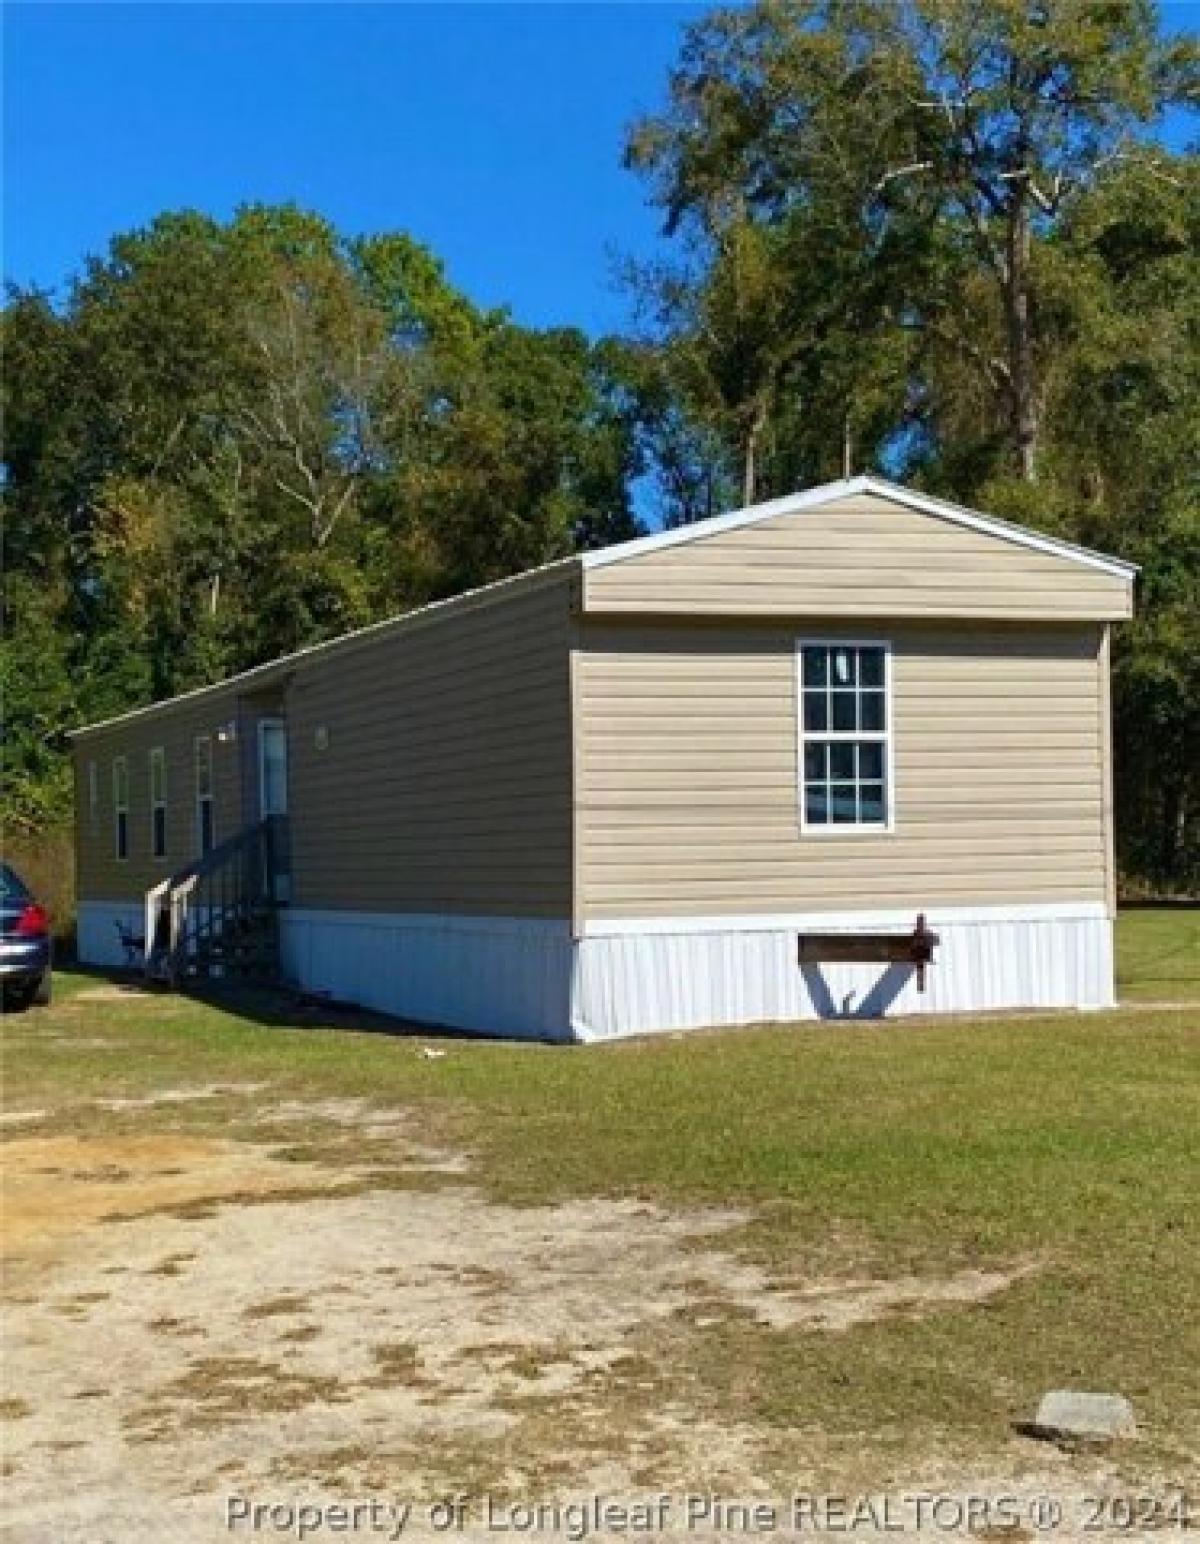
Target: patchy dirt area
<point>191,1317</point>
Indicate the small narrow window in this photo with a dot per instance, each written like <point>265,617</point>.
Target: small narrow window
<point>93,795</point>
<point>158,802</point>
<point>120,777</point>
<point>845,724</point>
<point>204,794</point>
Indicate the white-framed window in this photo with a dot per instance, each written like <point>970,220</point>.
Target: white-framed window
<point>158,802</point>
<point>120,783</point>
<point>844,690</point>
<point>93,796</point>
<point>204,794</point>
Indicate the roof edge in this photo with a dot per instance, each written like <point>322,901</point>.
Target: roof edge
<point>274,669</point>
<point>851,487</point>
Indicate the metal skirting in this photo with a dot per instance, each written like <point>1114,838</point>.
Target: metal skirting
<point>659,974</point>
<point>493,975</point>
<point>97,940</point>
<point>528,979</point>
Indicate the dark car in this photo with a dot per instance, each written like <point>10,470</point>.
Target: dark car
<point>24,943</point>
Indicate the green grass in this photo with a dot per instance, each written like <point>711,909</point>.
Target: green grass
<point>885,1149</point>
<point>1158,954</point>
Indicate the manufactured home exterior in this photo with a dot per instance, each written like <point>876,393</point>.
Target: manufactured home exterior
<point>606,797</point>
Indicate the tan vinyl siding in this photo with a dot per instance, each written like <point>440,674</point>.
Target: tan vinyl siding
<point>445,785</point>
<point>101,875</point>
<point>862,557</point>
<point>688,781</point>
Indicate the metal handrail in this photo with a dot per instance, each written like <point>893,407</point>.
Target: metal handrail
<point>202,900</point>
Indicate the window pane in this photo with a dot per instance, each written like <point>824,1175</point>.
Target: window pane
<point>870,667</point>
<point>870,762</point>
<point>122,834</point>
<point>841,761</point>
<point>816,667</point>
<point>843,710</point>
<point>872,804</point>
<point>815,711</point>
<point>844,804</point>
<point>160,831</point>
<point>816,806</point>
<point>816,763</point>
<point>872,710</point>
<point>206,826</point>
<point>843,667</point>
<point>203,768</point>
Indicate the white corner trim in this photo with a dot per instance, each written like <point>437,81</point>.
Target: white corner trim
<point>899,917</point>
<point>853,487</point>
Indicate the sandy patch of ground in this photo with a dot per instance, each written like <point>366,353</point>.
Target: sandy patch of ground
<point>127,994</point>
<point>838,1304</point>
<point>193,1318</point>
<point>179,1096</point>
<point>57,1188</point>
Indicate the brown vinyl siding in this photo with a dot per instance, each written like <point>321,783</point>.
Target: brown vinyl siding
<point>688,783</point>
<point>446,782</point>
<point>101,875</point>
<point>861,557</point>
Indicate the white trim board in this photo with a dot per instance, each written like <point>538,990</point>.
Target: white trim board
<point>447,922</point>
<point>855,487</point>
<point>864,920</point>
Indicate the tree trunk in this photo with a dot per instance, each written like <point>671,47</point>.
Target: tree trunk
<point>1023,410</point>
<point>750,466</point>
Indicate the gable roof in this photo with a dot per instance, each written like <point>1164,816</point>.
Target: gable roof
<point>854,487</point>
<point>259,676</point>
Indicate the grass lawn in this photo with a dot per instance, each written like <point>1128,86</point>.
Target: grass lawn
<point>1158,954</point>
<point>1063,1148</point>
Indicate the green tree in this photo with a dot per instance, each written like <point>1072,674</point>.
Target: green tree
<point>957,133</point>
<point>236,438</point>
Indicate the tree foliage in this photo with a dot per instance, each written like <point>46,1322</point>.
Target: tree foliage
<point>942,239</point>
<point>939,238</point>
<point>235,439</point>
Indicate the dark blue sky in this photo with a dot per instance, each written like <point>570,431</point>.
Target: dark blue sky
<point>492,132</point>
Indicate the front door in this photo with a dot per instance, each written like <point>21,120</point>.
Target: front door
<point>272,767</point>
<point>273,795</point>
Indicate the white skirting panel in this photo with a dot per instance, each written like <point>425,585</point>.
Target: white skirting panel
<point>682,973</point>
<point>494,975</point>
<point>527,979</point>
<point>97,942</point>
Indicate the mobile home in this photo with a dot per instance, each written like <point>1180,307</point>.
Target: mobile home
<point>614,794</point>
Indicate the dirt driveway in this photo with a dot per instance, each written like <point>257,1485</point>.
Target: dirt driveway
<point>195,1317</point>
